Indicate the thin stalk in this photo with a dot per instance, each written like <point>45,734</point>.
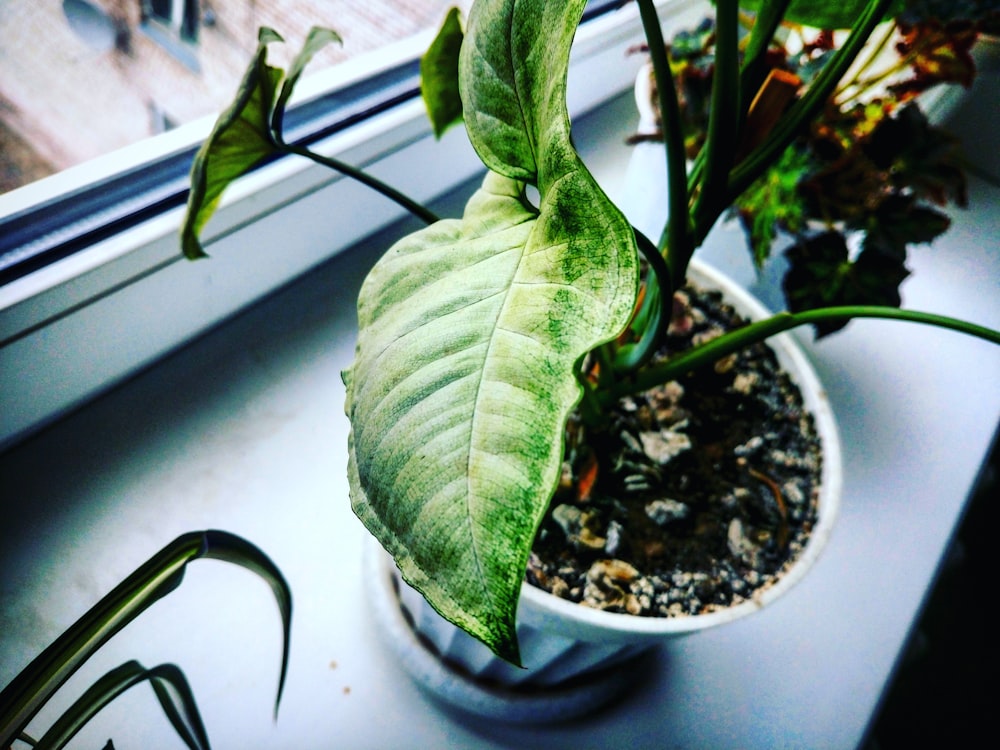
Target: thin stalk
<point>764,27</point>
<point>696,172</point>
<point>806,108</point>
<point>630,357</point>
<point>605,356</point>
<point>418,210</point>
<point>589,407</point>
<point>654,314</point>
<point>676,239</point>
<point>723,120</point>
<point>751,75</point>
<point>876,50</point>
<point>732,342</point>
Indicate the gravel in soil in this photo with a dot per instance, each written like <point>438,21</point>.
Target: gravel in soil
<point>695,495</point>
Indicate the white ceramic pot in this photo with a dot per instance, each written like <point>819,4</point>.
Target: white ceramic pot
<point>574,654</point>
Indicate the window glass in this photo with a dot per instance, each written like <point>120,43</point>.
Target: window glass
<point>82,78</point>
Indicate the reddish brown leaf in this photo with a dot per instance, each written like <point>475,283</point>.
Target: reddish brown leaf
<point>588,478</point>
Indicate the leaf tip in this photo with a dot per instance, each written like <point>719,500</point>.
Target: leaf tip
<point>266,35</point>
<point>191,247</point>
<point>439,75</point>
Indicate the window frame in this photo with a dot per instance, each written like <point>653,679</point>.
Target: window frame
<point>63,337</point>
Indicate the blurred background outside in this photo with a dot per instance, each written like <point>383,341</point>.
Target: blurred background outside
<point>82,78</point>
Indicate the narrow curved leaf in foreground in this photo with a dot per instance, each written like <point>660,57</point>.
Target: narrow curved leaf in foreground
<point>169,685</point>
<point>154,579</point>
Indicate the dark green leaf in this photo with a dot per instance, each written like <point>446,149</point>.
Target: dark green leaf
<point>240,140</point>
<point>900,221</point>
<point>221,545</point>
<point>918,156</point>
<point>821,274</point>
<point>817,267</point>
<point>823,14</point>
<point>773,203</point>
<point>844,183</point>
<point>169,685</point>
<point>693,43</point>
<point>946,11</point>
<point>439,75</point>
<point>177,701</point>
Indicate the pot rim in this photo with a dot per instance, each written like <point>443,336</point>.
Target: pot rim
<point>537,606</point>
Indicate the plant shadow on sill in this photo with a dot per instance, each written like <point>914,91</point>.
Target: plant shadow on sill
<point>938,696</point>
<point>641,671</point>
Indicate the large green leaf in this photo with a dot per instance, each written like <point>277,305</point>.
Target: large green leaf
<point>823,14</point>
<point>471,335</point>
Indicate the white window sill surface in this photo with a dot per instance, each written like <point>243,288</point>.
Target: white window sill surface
<point>243,430</point>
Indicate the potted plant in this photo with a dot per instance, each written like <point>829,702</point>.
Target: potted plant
<point>503,356</point>
<point>870,171</point>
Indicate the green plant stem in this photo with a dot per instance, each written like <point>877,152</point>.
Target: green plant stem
<point>763,329</point>
<point>654,315</point>
<point>874,53</point>
<point>723,125</point>
<point>589,406</point>
<point>675,240</point>
<point>415,208</point>
<point>604,357</point>
<point>751,75</point>
<point>806,108</point>
<point>754,57</point>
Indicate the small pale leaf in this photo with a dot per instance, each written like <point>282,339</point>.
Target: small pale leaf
<point>317,38</point>
<point>240,140</point>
